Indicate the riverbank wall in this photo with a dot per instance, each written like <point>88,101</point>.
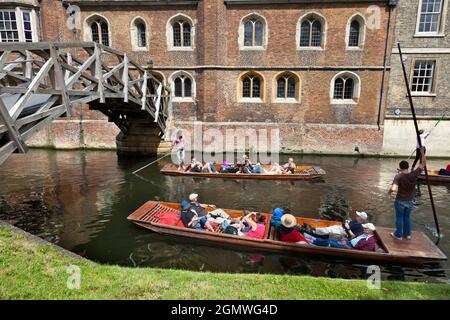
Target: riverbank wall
<point>395,138</point>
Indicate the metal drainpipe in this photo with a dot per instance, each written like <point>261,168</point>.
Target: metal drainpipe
<point>384,67</point>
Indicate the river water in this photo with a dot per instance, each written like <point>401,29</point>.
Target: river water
<point>80,201</point>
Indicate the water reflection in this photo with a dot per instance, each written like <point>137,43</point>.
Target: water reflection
<point>80,200</point>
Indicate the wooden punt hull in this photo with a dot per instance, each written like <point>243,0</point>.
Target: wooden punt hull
<point>313,173</point>
<point>434,177</point>
<point>419,250</point>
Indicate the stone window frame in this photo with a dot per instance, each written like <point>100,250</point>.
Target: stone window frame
<point>438,34</point>
<point>262,79</point>
<point>362,31</point>
<point>324,24</point>
<point>297,98</point>
<point>432,92</point>
<point>19,10</point>
<point>241,33</point>
<point>134,34</point>
<point>356,88</point>
<point>87,31</point>
<point>169,32</point>
<point>171,81</point>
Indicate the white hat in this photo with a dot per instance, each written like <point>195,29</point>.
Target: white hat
<point>362,215</point>
<point>193,196</point>
<point>369,226</point>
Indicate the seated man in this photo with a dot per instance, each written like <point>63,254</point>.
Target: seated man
<point>445,172</point>
<point>290,166</point>
<point>364,242</point>
<point>350,229</point>
<point>194,215</point>
<point>246,166</point>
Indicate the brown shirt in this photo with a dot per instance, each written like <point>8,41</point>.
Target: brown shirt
<point>406,185</point>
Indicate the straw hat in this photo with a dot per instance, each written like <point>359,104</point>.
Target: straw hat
<point>288,220</point>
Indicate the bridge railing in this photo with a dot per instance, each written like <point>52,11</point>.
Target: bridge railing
<point>40,82</point>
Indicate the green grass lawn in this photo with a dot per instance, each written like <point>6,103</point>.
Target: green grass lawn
<point>29,270</point>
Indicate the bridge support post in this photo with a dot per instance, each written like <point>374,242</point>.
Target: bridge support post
<point>141,139</point>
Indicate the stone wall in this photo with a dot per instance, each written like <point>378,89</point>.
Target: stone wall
<point>400,138</point>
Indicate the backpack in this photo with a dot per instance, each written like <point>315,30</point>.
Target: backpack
<point>231,230</point>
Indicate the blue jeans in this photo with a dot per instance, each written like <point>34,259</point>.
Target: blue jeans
<point>403,211</point>
<point>334,243</point>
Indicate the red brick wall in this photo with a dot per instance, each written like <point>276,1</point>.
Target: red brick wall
<point>216,44</point>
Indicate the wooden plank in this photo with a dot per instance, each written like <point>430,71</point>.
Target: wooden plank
<point>38,115</point>
<point>125,78</point>
<point>144,91</point>
<point>81,70</point>
<point>12,131</point>
<point>59,79</point>
<point>6,151</point>
<point>419,246</point>
<point>18,106</point>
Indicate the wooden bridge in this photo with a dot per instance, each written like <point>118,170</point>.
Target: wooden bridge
<point>40,82</point>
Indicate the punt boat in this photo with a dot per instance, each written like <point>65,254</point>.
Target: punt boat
<point>419,250</point>
<point>435,177</point>
<point>301,173</point>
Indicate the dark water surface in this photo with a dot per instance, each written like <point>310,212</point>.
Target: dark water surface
<point>80,201</point>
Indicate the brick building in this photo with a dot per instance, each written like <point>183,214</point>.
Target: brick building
<point>311,68</point>
<point>422,29</point>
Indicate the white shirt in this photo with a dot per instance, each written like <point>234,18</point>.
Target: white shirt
<point>423,136</point>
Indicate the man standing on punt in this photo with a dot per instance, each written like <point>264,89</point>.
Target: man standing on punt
<point>405,186</point>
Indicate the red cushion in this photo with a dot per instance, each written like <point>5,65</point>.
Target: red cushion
<point>169,218</point>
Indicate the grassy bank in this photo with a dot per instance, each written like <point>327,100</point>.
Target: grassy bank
<point>30,270</point>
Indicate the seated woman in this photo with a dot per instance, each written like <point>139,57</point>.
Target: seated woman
<point>288,232</point>
<point>256,224</point>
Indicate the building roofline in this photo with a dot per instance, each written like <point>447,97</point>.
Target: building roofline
<point>86,3</point>
<point>278,2</point>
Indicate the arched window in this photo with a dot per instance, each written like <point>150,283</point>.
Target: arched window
<point>311,32</point>
<point>253,33</point>
<point>287,86</point>
<point>355,31</point>
<point>252,86</point>
<point>181,33</point>
<point>183,86</point>
<point>99,31</point>
<point>353,37</point>
<point>346,87</point>
<point>139,34</point>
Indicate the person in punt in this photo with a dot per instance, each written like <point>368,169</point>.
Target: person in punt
<point>246,166</point>
<point>289,232</point>
<point>195,166</point>
<point>445,172</point>
<point>256,223</point>
<point>289,167</point>
<point>351,228</point>
<point>367,241</point>
<point>194,215</point>
<point>276,169</point>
